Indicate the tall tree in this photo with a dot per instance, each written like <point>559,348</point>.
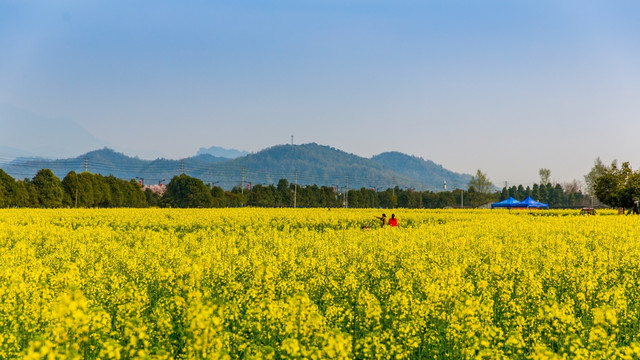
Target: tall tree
<point>22,195</point>
<point>133,194</point>
<point>117,190</point>
<point>188,192</point>
<point>481,183</point>
<point>545,175</point>
<point>7,190</point>
<point>284,196</point>
<point>504,194</point>
<point>48,189</point>
<point>70,185</point>
<point>535,192</point>
<point>590,179</point>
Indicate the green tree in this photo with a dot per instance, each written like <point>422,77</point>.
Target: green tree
<point>101,191</point>
<point>133,196</point>
<point>556,198</point>
<point>187,192</point>
<point>590,179</point>
<point>117,190</point>
<point>545,175</point>
<point>8,190</point>
<point>217,193</point>
<point>544,194</point>
<point>48,189</point>
<point>504,194</point>
<point>31,199</point>
<point>153,198</point>
<point>261,196</point>
<point>481,183</point>
<point>618,187</point>
<point>521,193</point>
<point>284,196</point>
<point>535,192</point>
<point>22,195</point>
<point>79,189</point>
<point>71,189</point>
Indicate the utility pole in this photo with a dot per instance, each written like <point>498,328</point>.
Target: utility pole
<point>393,187</point>
<point>86,164</point>
<point>295,188</point>
<point>181,167</point>
<point>291,140</point>
<point>346,195</point>
<point>421,196</point>
<point>242,183</point>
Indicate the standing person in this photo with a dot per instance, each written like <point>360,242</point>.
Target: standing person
<point>393,222</point>
<point>382,219</point>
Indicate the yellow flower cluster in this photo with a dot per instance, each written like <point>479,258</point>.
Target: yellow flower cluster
<point>313,284</point>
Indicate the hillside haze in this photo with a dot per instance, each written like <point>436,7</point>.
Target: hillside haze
<point>222,152</point>
<point>307,164</point>
<point>430,174</point>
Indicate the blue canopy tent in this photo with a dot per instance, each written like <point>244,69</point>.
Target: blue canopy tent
<point>529,203</point>
<point>506,203</point>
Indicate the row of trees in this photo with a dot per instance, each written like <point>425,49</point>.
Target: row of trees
<point>183,191</point>
<point>186,191</point>
<point>76,190</point>
<point>556,195</point>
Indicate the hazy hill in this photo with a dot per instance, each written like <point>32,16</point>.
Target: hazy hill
<point>8,153</point>
<point>109,162</point>
<point>428,173</point>
<point>36,135</point>
<point>313,163</point>
<point>222,152</point>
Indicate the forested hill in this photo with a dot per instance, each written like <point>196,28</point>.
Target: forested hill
<point>110,162</point>
<point>413,167</point>
<point>312,163</point>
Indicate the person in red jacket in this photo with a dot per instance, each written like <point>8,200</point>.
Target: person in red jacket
<point>393,221</point>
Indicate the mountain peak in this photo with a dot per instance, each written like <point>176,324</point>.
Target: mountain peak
<point>222,152</point>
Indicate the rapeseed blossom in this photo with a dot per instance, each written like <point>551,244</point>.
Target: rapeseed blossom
<point>311,284</point>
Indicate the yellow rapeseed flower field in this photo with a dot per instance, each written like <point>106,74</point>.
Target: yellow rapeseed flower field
<point>312,284</point>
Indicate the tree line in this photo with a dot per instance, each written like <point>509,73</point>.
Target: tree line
<point>94,190</point>
<point>46,190</point>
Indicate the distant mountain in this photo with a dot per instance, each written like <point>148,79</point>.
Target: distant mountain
<point>109,162</point>
<point>8,153</point>
<point>311,163</point>
<point>222,152</point>
<point>37,135</point>
<point>428,173</point>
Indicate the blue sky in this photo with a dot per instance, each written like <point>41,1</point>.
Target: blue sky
<point>507,87</point>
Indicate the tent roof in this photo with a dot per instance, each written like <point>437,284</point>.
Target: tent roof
<point>508,203</point>
<point>530,203</point>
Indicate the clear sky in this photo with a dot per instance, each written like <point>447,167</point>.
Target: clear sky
<point>507,87</point>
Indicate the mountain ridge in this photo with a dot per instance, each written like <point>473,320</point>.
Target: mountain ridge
<point>307,164</point>
<point>218,151</point>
